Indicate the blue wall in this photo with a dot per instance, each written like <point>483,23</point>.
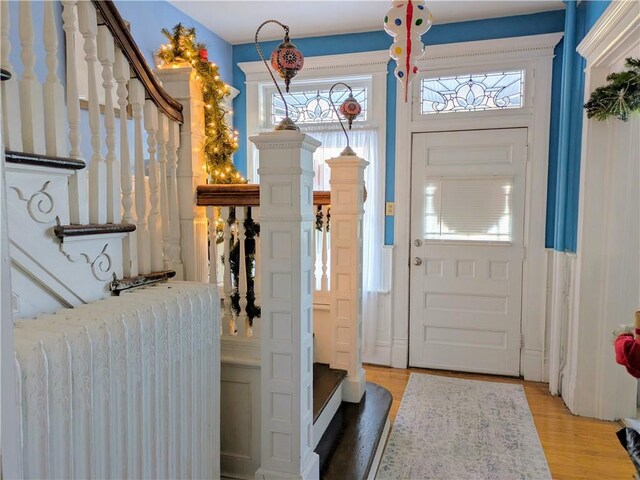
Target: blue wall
<point>534,24</point>
<point>563,188</point>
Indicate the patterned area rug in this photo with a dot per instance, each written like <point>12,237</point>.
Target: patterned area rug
<point>450,429</point>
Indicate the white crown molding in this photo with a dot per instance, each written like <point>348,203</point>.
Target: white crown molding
<point>339,65</point>
<point>504,48</point>
<point>617,22</point>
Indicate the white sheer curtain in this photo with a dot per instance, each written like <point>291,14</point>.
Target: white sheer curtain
<point>365,144</point>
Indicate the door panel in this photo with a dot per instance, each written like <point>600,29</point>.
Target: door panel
<point>467,218</point>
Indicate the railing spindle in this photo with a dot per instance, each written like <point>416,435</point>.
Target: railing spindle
<point>106,55</point>
<point>136,97</point>
<point>31,104</point>
<point>242,319</point>
<point>97,170</point>
<point>155,229</point>
<point>226,282</point>
<point>174,210</point>
<point>78,194</point>
<point>163,137</point>
<point>212,215</point>
<point>130,251</point>
<point>257,281</point>
<point>11,118</point>
<point>324,283</point>
<point>55,141</point>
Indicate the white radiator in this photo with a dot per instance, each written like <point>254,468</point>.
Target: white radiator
<point>126,387</point>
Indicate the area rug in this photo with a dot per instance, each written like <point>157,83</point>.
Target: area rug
<point>450,429</point>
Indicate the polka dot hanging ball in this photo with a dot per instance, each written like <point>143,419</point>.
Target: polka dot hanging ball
<point>406,22</point>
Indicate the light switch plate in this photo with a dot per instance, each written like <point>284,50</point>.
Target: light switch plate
<point>390,209</point>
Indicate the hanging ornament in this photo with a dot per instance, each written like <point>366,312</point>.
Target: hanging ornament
<point>350,109</point>
<point>203,55</point>
<point>406,22</point>
<point>287,60</point>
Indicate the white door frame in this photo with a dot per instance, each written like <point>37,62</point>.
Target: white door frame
<point>534,54</point>
<point>593,384</point>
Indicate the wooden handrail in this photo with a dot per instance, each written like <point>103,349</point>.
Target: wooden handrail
<point>242,195</point>
<point>117,26</point>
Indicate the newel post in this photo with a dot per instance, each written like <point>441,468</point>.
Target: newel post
<point>182,85</point>
<point>347,209</point>
<point>286,227</point>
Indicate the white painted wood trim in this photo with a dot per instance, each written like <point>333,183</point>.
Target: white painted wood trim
<point>535,55</point>
<point>339,65</point>
<point>595,385</point>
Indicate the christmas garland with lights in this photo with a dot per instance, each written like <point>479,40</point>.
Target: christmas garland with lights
<point>618,98</point>
<point>220,141</point>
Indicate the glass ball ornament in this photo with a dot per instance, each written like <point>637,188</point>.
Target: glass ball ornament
<point>350,109</point>
<point>287,61</point>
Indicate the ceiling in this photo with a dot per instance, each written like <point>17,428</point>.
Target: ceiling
<point>236,21</point>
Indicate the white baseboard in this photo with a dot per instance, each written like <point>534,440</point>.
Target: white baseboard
<point>532,367</point>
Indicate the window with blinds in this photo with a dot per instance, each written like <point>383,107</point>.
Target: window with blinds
<point>473,209</point>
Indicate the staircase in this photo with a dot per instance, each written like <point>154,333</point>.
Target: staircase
<point>81,219</point>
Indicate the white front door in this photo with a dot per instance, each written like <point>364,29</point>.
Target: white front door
<point>467,249</point>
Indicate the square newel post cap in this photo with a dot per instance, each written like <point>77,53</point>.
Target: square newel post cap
<point>347,162</point>
<point>285,140</point>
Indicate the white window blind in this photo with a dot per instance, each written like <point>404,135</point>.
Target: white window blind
<point>474,209</point>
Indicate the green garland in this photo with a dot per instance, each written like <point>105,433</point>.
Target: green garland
<point>220,141</point>
<point>620,97</point>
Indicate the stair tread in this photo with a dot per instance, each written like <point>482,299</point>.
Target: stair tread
<point>349,444</point>
<point>325,381</point>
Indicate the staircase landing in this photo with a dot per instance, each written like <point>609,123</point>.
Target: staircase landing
<point>349,445</point>
<point>325,382</point>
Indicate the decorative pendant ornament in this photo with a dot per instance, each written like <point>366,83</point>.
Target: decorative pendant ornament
<point>406,22</point>
<point>350,109</point>
<point>203,55</point>
<point>287,61</point>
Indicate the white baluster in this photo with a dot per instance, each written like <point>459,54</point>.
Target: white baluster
<point>136,97</point>
<point>78,194</point>
<point>226,276</point>
<point>212,215</point>
<point>155,229</point>
<point>242,320</point>
<point>122,74</point>
<point>324,283</point>
<point>11,123</point>
<point>314,248</point>
<point>106,55</point>
<point>97,170</point>
<point>55,141</point>
<point>163,138</point>
<point>257,281</point>
<point>31,103</point>
<point>174,211</point>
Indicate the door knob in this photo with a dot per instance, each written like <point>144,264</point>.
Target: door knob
<point>417,261</point>
<point>417,242</point>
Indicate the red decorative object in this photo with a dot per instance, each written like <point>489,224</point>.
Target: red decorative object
<point>628,354</point>
<point>204,55</point>
<point>350,109</point>
<point>287,60</point>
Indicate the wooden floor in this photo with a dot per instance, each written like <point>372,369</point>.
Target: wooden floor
<point>575,447</point>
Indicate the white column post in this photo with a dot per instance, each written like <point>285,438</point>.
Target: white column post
<point>286,226</point>
<point>347,208</point>
<point>182,85</point>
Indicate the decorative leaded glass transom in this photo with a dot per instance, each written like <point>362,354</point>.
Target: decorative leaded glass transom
<point>314,107</point>
<point>472,92</point>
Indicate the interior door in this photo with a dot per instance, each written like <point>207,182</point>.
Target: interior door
<point>467,249</point>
